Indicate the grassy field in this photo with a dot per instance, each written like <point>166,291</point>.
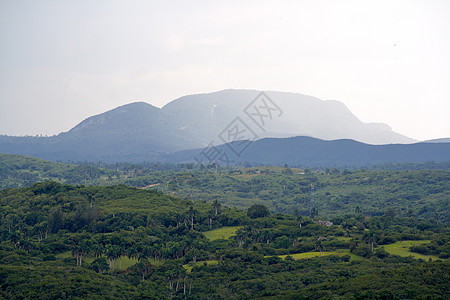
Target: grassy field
<point>189,266</point>
<point>221,233</point>
<point>343,238</point>
<point>338,252</point>
<point>353,257</point>
<point>310,254</point>
<point>402,249</point>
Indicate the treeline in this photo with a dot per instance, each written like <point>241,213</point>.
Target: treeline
<point>431,165</point>
<point>286,190</point>
<point>423,193</point>
<point>21,171</point>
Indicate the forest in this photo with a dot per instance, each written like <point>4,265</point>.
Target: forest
<point>118,241</point>
<point>331,191</point>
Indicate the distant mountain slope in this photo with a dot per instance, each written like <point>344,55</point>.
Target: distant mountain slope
<point>142,132</point>
<point>133,132</point>
<point>311,152</point>
<point>205,116</point>
<point>441,140</point>
<point>136,131</point>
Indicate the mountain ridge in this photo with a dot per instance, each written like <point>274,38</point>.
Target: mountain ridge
<point>439,140</point>
<point>139,131</point>
<point>305,151</point>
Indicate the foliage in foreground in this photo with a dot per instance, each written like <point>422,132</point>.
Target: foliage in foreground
<point>63,241</point>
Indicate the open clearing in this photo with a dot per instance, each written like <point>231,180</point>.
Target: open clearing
<point>402,249</point>
<point>190,265</point>
<point>221,233</point>
<point>338,252</point>
<point>310,255</point>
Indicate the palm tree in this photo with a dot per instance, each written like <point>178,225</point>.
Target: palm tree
<point>78,251</point>
<point>191,214</point>
<point>132,254</point>
<point>251,231</point>
<point>25,244</point>
<point>240,236</point>
<point>97,250</point>
<point>41,230</point>
<point>179,219</point>
<point>314,212</point>
<point>267,235</point>
<point>113,253</point>
<point>320,246</point>
<point>157,252</point>
<point>15,237</point>
<point>216,206</point>
<point>144,253</point>
<point>370,238</point>
<point>120,251</point>
<point>144,267</point>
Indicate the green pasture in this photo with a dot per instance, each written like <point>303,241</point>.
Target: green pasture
<point>402,249</point>
<point>190,265</point>
<point>221,233</point>
<point>338,252</point>
<point>306,255</point>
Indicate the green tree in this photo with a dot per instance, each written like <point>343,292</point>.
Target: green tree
<point>99,265</point>
<point>257,211</point>
<point>55,220</point>
<point>390,212</point>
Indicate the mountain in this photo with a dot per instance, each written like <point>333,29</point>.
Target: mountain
<point>133,132</point>
<point>441,140</point>
<point>142,132</point>
<point>311,152</point>
<point>205,116</point>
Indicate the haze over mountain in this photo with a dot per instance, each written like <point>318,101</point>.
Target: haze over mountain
<point>140,131</point>
<point>205,116</point>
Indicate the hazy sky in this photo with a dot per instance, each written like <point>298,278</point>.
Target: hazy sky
<point>62,61</point>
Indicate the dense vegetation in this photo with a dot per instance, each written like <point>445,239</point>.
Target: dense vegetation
<point>66,241</point>
<point>19,171</point>
<point>420,193</point>
<point>414,193</point>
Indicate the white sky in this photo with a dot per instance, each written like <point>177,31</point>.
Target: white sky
<point>63,61</point>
